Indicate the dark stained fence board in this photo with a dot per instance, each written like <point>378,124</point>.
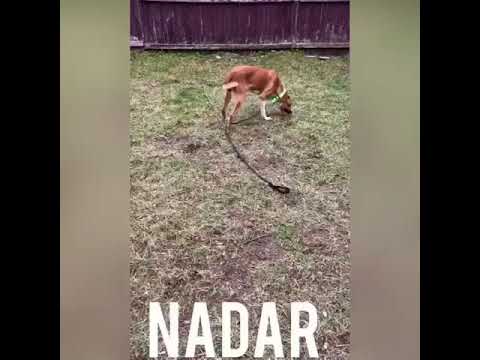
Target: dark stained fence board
<point>136,32</point>
<point>325,23</point>
<point>203,24</point>
<point>241,24</point>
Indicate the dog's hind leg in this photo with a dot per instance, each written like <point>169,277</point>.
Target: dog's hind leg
<point>238,100</point>
<point>228,97</point>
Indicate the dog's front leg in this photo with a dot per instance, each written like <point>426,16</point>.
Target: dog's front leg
<point>264,95</point>
<point>263,110</point>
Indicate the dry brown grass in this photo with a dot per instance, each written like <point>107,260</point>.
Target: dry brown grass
<point>205,229</point>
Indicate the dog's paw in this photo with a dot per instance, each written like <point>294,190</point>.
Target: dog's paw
<point>268,118</point>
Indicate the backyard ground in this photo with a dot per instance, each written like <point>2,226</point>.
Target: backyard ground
<point>204,228</point>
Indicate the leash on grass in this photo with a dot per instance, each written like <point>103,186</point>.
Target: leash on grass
<point>281,189</point>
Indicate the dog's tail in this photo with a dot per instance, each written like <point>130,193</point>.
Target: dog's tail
<point>230,85</point>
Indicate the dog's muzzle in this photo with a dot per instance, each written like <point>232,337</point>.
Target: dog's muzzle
<point>286,109</point>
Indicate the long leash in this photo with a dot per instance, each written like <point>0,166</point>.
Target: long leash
<point>281,189</point>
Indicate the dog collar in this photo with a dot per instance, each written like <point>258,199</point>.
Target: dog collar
<point>277,98</point>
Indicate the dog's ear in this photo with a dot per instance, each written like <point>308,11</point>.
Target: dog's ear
<point>286,99</point>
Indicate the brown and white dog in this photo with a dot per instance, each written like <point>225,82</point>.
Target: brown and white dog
<point>244,79</point>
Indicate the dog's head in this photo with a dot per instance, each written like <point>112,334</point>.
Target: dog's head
<point>286,104</point>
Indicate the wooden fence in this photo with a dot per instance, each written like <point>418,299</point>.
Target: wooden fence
<point>240,24</point>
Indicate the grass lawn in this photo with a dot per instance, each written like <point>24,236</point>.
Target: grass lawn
<point>204,228</point>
